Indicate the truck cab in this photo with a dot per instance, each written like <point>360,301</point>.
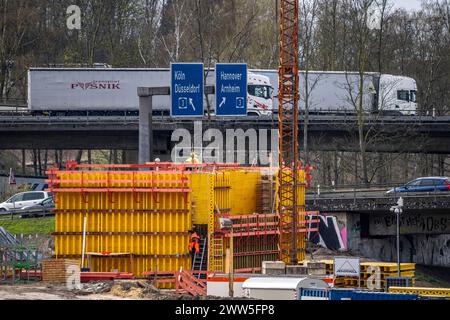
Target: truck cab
<point>259,95</point>
<point>397,95</point>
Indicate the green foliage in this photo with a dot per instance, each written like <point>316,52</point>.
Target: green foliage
<point>40,226</point>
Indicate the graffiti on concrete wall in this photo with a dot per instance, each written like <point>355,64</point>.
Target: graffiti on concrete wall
<point>417,223</point>
<point>330,236</point>
<point>431,250</point>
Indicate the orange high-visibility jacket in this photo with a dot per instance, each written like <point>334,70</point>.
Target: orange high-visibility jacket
<point>194,244</point>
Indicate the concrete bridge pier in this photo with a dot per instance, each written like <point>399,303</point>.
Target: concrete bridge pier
<point>146,121</point>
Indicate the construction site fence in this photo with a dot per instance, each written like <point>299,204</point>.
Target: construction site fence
<point>338,294</point>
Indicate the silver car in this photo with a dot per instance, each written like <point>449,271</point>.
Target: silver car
<point>23,199</point>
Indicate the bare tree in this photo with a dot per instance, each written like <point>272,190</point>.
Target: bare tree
<point>308,13</point>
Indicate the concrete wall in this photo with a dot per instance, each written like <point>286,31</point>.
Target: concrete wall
<point>410,223</point>
<point>427,249</point>
<point>432,250</point>
<point>332,232</point>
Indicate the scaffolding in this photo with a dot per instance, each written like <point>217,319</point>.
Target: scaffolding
<point>19,263</point>
<point>255,239</point>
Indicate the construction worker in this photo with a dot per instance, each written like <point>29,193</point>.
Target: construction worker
<point>194,247</point>
<point>193,159</point>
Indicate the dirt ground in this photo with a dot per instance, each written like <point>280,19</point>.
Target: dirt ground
<point>142,290</point>
<point>41,292</point>
<point>122,290</point>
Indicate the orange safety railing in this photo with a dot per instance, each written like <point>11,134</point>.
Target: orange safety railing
<point>184,280</point>
<point>256,237</point>
<point>169,166</point>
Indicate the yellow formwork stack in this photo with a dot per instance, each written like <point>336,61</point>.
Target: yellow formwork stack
<point>371,272</point>
<point>136,221</point>
<point>301,203</point>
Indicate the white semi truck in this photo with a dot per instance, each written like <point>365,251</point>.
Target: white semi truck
<point>338,92</point>
<point>112,91</point>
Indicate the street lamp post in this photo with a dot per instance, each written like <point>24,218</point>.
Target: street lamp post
<point>398,210</point>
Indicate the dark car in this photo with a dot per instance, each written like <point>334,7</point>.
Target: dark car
<point>44,208</point>
<point>427,184</point>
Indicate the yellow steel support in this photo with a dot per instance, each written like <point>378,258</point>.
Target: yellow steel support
<point>427,292</point>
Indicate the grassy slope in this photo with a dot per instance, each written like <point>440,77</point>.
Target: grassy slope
<point>40,226</point>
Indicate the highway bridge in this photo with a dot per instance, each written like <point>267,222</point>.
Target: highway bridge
<point>377,201</point>
<point>326,132</point>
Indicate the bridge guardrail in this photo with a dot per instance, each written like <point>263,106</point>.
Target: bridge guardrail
<point>364,195</point>
<point>27,118</point>
<point>11,215</point>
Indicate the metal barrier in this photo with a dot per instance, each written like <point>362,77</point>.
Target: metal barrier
<point>314,294</point>
<point>19,263</point>
<point>425,292</point>
<point>362,295</point>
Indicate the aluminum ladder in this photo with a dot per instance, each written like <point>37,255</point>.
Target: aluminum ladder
<point>200,259</point>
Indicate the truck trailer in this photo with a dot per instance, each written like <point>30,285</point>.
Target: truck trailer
<point>109,91</point>
<point>331,92</point>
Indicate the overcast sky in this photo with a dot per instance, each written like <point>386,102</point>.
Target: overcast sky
<point>407,4</point>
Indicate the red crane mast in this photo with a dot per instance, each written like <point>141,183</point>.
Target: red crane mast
<point>288,177</point>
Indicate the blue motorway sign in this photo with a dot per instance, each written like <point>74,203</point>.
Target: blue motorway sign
<point>186,89</point>
<point>231,89</point>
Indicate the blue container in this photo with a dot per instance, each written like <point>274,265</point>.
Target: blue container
<point>364,295</point>
<point>341,294</point>
<point>320,294</point>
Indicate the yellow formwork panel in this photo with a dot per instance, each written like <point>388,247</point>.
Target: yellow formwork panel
<point>138,245</point>
<point>243,192</point>
<point>301,191</point>
<point>222,188</point>
<point>202,183</point>
<point>169,215</point>
<point>116,179</point>
<point>152,227</point>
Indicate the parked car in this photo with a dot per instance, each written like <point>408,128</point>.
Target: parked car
<point>43,208</point>
<point>24,199</point>
<point>427,184</point>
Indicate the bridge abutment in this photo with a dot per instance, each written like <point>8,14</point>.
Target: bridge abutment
<point>424,236</point>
